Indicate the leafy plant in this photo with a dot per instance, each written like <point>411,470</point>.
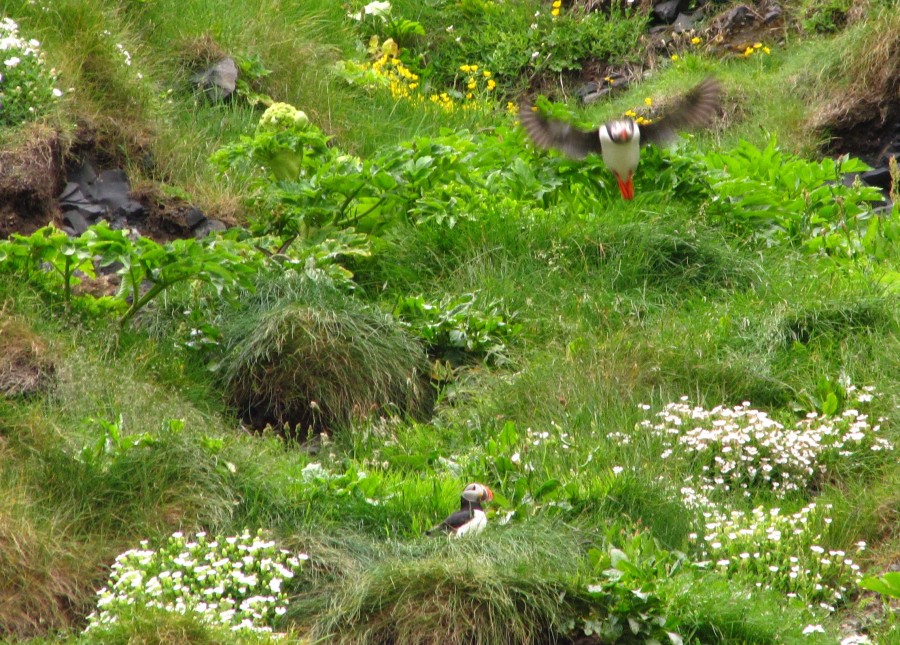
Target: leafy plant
<point>454,325</point>
<point>220,262</point>
<point>805,203</point>
<point>49,247</point>
<point>888,584</point>
<point>625,588</point>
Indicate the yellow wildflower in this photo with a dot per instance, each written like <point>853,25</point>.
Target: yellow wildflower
<point>696,40</point>
<point>512,108</point>
<point>486,73</point>
<point>557,4</point>
<point>469,96</point>
<point>648,101</point>
<point>554,12</point>
<point>757,45</point>
<point>491,85</point>
<point>472,85</point>
<point>630,113</point>
<point>473,68</point>
<point>390,48</point>
<point>767,50</point>
<point>464,68</point>
<point>675,57</point>
<point>748,52</point>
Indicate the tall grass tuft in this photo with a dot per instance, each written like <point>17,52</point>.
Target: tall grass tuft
<point>303,355</point>
<point>516,586</point>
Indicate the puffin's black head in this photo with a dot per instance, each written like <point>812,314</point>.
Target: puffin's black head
<point>477,493</point>
<point>621,131</point>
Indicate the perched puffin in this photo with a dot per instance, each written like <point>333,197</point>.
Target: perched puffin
<point>470,518</point>
<point>619,140</point>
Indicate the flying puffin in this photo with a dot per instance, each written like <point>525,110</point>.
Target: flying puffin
<point>470,518</point>
<point>619,140</point>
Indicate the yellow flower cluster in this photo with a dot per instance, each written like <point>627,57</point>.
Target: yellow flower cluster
<point>555,8</point>
<point>473,79</point>
<point>401,81</point>
<point>754,49</point>
<point>639,118</point>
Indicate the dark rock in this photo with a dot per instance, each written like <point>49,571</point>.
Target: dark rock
<point>119,223</point>
<point>880,177</point>
<point>587,88</point>
<point>737,18</point>
<point>68,231</point>
<point>76,221</point>
<point>209,226</point>
<point>666,11</point>
<point>218,81</point>
<point>193,218</point>
<point>772,15</point>
<point>84,174</point>
<point>91,211</point>
<point>72,194</point>
<point>684,22</point>
<point>133,211</point>
<point>111,268</point>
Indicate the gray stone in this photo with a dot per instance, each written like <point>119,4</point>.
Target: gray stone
<point>879,177</point>
<point>194,218</point>
<point>684,22</point>
<point>218,81</point>
<point>773,14</point>
<point>208,227</point>
<point>76,221</point>
<point>666,11</point>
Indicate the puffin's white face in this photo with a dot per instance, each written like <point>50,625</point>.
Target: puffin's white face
<point>621,131</point>
<point>477,493</point>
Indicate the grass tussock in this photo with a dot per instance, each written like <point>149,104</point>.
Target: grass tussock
<point>508,588</point>
<point>45,578</point>
<point>868,70</point>
<point>310,357</point>
<point>26,364</point>
<point>838,319</point>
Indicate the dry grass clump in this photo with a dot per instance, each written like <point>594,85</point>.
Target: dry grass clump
<point>45,580</point>
<point>30,168</point>
<point>25,364</point>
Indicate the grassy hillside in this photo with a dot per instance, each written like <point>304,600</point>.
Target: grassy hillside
<point>686,405</point>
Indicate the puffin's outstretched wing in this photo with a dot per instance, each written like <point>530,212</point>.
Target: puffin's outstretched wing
<point>697,108</point>
<point>551,133</point>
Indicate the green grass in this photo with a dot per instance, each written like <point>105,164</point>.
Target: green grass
<point>621,304</point>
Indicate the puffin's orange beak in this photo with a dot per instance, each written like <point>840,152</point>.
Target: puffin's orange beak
<point>626,186</point>
<point>488,495</point>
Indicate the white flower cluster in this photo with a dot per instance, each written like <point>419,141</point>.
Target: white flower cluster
<point>744,448</point>
<point>233,581</point>
<point>379,8</point>
<point>776,551</point>
<point>26,86</point>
